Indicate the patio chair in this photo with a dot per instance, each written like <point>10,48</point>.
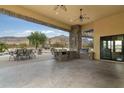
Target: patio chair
<point>19,54</point>
<point>32,54</point>
<point>12,55</point>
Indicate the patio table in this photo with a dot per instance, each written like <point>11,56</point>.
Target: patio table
<point>22,54</point>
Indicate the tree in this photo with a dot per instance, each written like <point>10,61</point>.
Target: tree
<point>3,47</point>
<point>37,38</point>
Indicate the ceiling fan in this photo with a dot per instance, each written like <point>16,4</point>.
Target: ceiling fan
<point>82,16</point>
<point>62,7</point>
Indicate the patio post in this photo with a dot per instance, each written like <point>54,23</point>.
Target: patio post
<point>75,40</point>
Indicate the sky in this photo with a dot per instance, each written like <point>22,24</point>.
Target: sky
<point>11,26</point>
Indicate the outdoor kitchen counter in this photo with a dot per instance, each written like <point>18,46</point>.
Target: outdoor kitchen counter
<point>66,55</point>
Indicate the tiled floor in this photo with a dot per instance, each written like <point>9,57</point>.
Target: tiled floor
<point>46,72</point>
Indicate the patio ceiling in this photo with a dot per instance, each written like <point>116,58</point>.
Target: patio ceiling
<point>45,14</point>
<point>95,12</point>
<point>32,16</point>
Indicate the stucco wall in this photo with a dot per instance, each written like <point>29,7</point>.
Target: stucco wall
<point>111,25</point>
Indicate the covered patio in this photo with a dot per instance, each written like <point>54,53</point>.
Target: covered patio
<point>103,20</point>
<point>45,71</point>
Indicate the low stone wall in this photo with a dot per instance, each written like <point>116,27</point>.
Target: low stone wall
<point>66,55</point>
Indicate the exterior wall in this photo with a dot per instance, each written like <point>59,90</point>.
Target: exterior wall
<point>28,13</point>
<point>111,25</point>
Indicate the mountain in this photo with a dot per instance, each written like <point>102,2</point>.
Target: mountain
<point>14,40</point>
<point>18,40</point>
<point>61,37</point>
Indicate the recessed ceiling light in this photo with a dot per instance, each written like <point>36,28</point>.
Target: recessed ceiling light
<point>57,13</point>
<point>71,20</point>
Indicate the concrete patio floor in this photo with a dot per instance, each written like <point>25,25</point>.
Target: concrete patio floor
<point>46,72</point>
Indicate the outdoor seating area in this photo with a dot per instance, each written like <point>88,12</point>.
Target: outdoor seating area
<point>22,54</point>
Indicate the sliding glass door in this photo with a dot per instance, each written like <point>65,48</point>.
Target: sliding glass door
<point>118,52</point>
<point>112,48</point>
<point>106,48</point>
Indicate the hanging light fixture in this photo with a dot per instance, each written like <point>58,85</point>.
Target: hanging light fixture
<point>82,16</point>
<point>62,7</point>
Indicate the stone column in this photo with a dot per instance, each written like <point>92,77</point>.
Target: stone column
<point>75,40</point>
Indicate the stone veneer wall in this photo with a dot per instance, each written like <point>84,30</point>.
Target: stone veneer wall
<point>75,38</point>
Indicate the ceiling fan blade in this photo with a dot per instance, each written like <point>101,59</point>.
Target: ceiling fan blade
<point>76,19</point>
<point>63,7</point>
<point>84,14</point>
<point>56,7</point>
<point>86,17</point>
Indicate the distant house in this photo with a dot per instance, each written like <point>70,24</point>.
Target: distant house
<point>60,40</point>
